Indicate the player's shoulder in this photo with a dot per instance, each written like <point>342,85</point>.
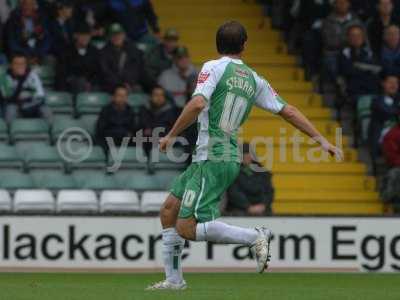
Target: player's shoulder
<point>214,64</point>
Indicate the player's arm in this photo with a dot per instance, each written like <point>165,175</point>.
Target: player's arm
<point>187,117</point>
<point>292,115</point>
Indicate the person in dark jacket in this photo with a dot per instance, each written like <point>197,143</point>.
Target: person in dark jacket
<point>357,65</point>
<point>390,54</point>
<point>252,192</point>
<point>135,16</point>
<point>61,28</point>
<point>116,120</point>
<point>384,112</point>
<point>27,33</point>
<point>376,26</point>
<point>122,63</point>
<point>78,67</point>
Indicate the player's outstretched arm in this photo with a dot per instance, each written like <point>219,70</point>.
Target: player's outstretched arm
<point>292,115</point>
<point>188,116</point>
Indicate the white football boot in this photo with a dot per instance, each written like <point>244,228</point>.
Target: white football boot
<point>166,285</point>
<point>261,248</point>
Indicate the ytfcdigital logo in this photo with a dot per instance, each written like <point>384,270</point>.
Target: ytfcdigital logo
<point>75,145</point>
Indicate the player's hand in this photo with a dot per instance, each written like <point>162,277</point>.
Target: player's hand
<point>333,151</point>
<point>165,142</point>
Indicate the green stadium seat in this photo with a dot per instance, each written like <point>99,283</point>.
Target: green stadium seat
<point>3,130</point>
<point>63,124</point>
<point>364,115</point>
<point>53,180</point>
<point>88,157</point>
<point>59,102</point>
<point>29,129</point>
<point>15,180</point>
<point>9,157</point>
<point>46,74</point>
<point>95,180</point>
<point>139,180</point>
<point>138,99</point>
<point>91,103</point>
<point>132,157</point>
<point>42,156</point>
<point>89,122</point>
<point>165,178</point>
<point>174,159</point>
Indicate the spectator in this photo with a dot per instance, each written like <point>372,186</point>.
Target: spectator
<point>180,79</point>
<point>61,28</point>
<point>252,192</point>
<point>384,112</point>
<point>116,120</point>
<point>122,63</point>
<point>159,58</point>
<point>134,16</point>
<point>363,8</point>
<point>333,33</point>
<point>391,50</point>
<point>378,23</point>
<point>357,65</point>
<point>77,68</point>
<point>27,33</point>
<point>22,93</point>
<point>391,147</point>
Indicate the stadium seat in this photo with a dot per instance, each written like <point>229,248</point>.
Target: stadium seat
<point>119,201</point>
<point>29,129</point>
<point>41,156</point>
<point>77,201</point>
<point>46,74</point>
<point>5,201</point>
<point>62,124</point>
<point>3,131</point>
<point>175,158</point>
<point>94,180</point>
<point>88,157</point>
<point>91,103</point>
<point>152,201</point>
<point>131,157</point>
<point>364,115</point>
<point>59,102</point>
<point>9,157</point>
<point>53,180</point>
<point>89,122</point>
<point>34,201</point>
<point>165,178</point>
<point>13,180</point>
<point>139,180</point>
<point>138,99</point>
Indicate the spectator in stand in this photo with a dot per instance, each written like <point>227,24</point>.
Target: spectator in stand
<point>391,147</point>
<point>363,8</point>
<point>252,192</point>
<point>122,63</point>
<point>179,80</point>
<point>78,67</point>
<point>159,58</point>
<point>378,23</point>
<point>21,91</point>
<point>357,65</point>
<point>135,16</point>
<point>62,28</point>
<point>391,50</point>
<point>27,33</point>
<point>384,112</point>
<point>333,32</point>
<point>116,120</point>
<point>158,113</point>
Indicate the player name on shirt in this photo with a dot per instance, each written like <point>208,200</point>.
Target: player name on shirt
<point>240,83</point>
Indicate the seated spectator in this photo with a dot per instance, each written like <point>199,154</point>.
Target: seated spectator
<point>122,63</point>
<point>252,192</point>
<point>116,120</point>
<point>27,33</point>
<point>391,147</point>
<point>135,16</point>
<point>61,27</point>
<point>180,79</point>
<point>78,67</point>
<point>357,65</point>
<point>391,50</point>
<point>333,33</point>
<point>384,112</point>
<point>21,92</point>
<point>158,113</point>
<point>159,58</point>
<point>378,23</point>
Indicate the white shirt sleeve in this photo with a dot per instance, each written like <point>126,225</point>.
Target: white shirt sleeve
<point>266,97</point>
<point>206,81</point>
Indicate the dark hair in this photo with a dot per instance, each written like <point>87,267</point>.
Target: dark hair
<point>385,74</point>
<point>358,26</point>
<point>230,38</point>
<point>119,86</point>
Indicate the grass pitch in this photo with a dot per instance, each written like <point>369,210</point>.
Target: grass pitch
<point>279,286</point>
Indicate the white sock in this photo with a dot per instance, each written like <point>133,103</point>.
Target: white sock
<point>222,233</point>
<point>172,252</point>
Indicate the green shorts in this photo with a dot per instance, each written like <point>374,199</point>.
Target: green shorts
<point>201,186</point>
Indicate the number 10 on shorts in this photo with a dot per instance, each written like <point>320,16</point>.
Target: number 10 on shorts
<point>188,198</point>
